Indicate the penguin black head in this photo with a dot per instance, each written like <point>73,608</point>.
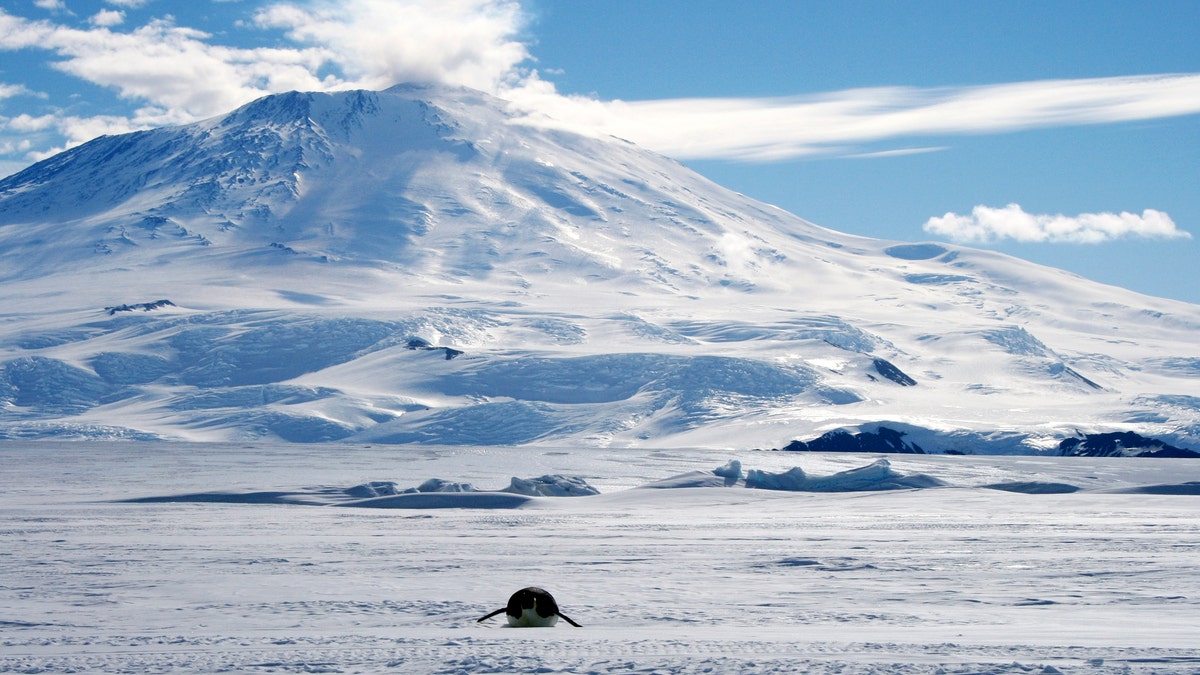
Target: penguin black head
<point>532,607</point>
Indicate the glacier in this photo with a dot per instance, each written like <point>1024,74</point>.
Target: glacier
<point>417,265</point>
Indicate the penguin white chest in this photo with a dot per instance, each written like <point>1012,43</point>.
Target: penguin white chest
<point>529,618</point>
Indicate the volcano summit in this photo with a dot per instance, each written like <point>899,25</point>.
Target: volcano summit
<point>420,265</point>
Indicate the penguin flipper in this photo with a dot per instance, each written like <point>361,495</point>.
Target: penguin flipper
<point>499,611</point>
<point>568,620</point>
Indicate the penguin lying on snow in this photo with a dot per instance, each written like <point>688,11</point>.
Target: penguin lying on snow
<point>531,608</point>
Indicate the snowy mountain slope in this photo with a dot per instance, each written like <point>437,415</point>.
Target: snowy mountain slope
<point>414,266</point>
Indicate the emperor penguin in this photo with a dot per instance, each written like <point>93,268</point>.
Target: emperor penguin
<point>531,608</point>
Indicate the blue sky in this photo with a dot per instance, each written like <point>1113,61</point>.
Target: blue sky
<point>1063,132</point>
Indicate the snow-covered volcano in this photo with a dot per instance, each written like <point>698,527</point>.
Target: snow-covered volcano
<point>420,265</point>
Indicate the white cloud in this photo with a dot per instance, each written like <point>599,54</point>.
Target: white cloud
<point>765,129</point>
<point>18,146</point>
<point>28,123</point>
<point>35,135</point>
<point>11,90</point>
<point>987,224</point>
<point>170,67</point>
<point>897,152</point>
<point>378,43</point>
<point>107,17</point>
<point>181,75</point>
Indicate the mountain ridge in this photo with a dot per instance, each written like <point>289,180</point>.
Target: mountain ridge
<point>598,294</point>
<point>273,165</point>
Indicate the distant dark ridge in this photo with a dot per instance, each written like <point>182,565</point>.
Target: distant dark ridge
<point>141,306</point>
<point>887,440</point>
<point>1118,444</point>
<point>840,440</point>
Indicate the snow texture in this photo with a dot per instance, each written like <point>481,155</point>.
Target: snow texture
<point>417,266</point>
<point>998,565</point>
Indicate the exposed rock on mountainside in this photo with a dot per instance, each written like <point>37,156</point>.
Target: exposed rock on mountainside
<point>882,439</point>
<point>1120,444</point>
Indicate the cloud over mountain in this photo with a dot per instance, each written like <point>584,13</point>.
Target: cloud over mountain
<point>758,129</point>
<point>377,43</point>
<point>179,74</point>
<point>986,224</point>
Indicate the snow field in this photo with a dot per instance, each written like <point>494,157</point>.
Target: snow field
<point>956,579</point>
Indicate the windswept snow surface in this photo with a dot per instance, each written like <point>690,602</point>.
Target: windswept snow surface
<point>120,557</point>
<point>416,266</point>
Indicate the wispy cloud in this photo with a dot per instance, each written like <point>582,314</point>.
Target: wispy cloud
<point>986,224</point>
<point>175,74</point>
<point>172,68</point>
<point>897,152</point>
<point>52,5</point>
<point>781,128</point>
<point>10,90</point>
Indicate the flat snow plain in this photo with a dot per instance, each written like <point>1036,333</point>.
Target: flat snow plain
<point>954,579</point>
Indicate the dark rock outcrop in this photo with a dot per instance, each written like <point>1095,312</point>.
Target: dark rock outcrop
<point>1120,444</point>
<point>840,440</point>
<point>891,372</point>
<point>141,306</point>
